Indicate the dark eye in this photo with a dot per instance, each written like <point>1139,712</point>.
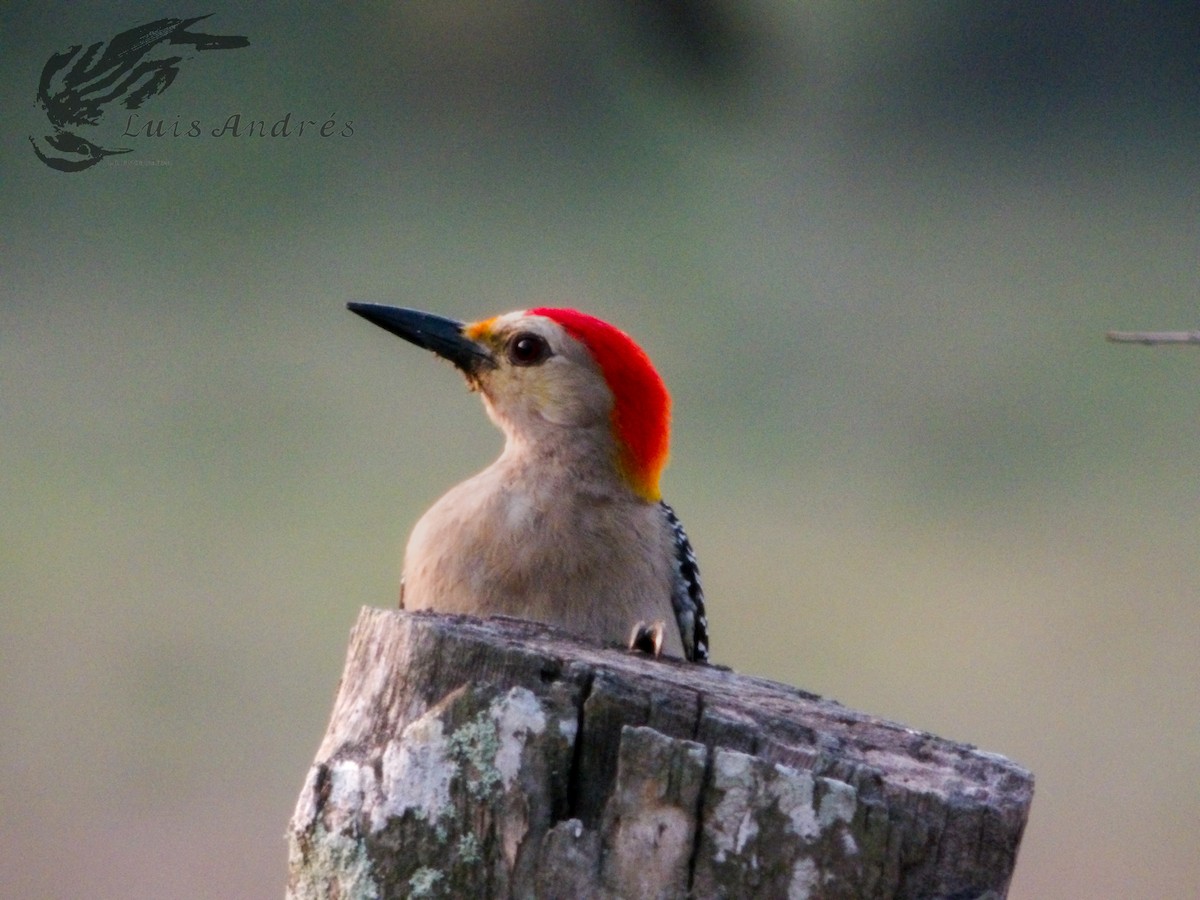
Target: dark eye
<point>528,349</point>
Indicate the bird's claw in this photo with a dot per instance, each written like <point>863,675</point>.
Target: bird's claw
<point>647,638</point>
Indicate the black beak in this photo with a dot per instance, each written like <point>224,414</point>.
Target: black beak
<point>441,335</point>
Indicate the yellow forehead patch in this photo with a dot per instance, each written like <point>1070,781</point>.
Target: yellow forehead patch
<point>477,331</point>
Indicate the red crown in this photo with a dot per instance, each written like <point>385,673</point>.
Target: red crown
<point>641,405</point>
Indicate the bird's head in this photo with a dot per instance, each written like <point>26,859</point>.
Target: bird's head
<point>69,152</point>
<point>545,372</point>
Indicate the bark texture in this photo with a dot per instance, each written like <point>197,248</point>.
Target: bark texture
<point>500,758</point>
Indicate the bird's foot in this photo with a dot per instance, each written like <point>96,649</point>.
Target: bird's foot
<point>647,638</point>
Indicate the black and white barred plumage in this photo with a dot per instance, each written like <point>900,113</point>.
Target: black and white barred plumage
<point>688,596</point>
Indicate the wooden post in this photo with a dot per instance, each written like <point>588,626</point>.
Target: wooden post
<point>500,758</point>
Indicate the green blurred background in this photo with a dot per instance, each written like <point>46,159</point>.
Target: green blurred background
<point>873,248</point>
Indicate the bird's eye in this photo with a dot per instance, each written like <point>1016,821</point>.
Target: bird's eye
<point>528,349</point>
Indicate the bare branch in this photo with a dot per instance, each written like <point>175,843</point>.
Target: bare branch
<point>1150,338</point>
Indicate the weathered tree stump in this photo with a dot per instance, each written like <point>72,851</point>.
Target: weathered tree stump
<point>500,758</point>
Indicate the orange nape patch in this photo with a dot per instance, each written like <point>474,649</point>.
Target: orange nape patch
<point>641,404</point>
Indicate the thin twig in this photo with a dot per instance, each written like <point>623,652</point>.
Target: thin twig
<point>1154,337</point>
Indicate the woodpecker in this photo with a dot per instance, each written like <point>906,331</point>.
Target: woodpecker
<point>568,525</point>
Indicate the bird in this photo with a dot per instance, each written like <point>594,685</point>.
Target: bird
<point>123,73</point>
<point>567,526</point>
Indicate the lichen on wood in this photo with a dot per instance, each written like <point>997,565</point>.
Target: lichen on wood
<point>498,758</point>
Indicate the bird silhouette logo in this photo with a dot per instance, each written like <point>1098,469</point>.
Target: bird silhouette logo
<point>78,86</point>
